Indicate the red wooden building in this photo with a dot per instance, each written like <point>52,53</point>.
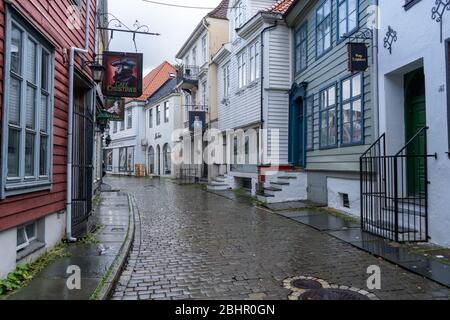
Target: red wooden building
<point>36,88</point>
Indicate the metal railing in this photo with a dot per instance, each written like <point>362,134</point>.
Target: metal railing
<point>394,190</point>
<point>190,73</point>
<point>189,175</point>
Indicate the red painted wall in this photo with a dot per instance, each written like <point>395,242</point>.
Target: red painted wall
<point>49,17</point>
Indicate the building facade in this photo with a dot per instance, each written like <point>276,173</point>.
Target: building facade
<point>197,74</point>
<point>331,110</point>
<point>414,113</point>
<point>128,148</point>
<point>43,83</point>
<point>163,114</point>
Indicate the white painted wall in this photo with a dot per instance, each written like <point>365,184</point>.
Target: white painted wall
<point>418,44</point>
<point>337,187</point>
<point>164,129</point>
<point>8,239</point>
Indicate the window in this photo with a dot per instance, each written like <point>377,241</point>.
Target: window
<point>122,125</point>
<point>328,118</point>
<point>204,93</point>
<point>323,30</point>
<point>254,61</point>
<point>194,56</point>
<point>301,48</point>
<point>204,49</point>
<point>28,101</point>
<point>150,118</point>
<point>347,17</point>
<point>167,160</point>
<point>352,115</point>
<point>242,69</point>
<point>109,160</point>
<point>310,123</point>
<point>126,159</point>
<point>187,61</point>
<point>345,200</point>
<point>26,234</point>
<point>238,15</point>
<point>166,112</point>
<point>115,127</point>
<point>158,115</point>
<point>226,81</point>
<point>129,118</point>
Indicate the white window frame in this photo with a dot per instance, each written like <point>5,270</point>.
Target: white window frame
<point>254,56</point>
<point>150,118</point>
<point>23,183</point>
<point>226,80</point>
<point>242,68</point>
<point>194,56</point>
<point>238,15</point>
<point>28,240</point>
<point>166,112</point>
<point>204,48</point>
<point>158,115</point>
<point>129,118</point>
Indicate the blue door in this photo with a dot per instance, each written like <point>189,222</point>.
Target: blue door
<point>297,128</point>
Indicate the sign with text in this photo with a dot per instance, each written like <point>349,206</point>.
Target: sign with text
<point>197,120</point>
<point>115,108</point>
<point>358,57</point>
<point>123,74</point>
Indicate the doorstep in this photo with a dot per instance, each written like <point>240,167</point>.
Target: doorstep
<point>351,232</point>
<point>100,263</point>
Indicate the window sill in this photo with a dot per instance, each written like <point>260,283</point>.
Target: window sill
<point>32,248</point>
<point>12,189</point>
<point>410,4</point>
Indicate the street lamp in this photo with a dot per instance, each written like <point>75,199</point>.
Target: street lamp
<point>102,120</point>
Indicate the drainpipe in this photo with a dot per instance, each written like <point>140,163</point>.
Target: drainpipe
<point>376,94</point>
<point>73,50</point>
<point>261,126</point>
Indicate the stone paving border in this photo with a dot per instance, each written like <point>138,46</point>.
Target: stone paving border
<point>108,283</point>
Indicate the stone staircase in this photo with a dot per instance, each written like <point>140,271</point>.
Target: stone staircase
<point>284,187</point>
<point>220,183</point>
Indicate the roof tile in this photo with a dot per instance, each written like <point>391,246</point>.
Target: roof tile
<point>281,6</point>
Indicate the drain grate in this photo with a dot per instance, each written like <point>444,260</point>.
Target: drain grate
<point>332,294</point>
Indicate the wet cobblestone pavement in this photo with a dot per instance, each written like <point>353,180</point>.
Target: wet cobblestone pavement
<point>191,244</point>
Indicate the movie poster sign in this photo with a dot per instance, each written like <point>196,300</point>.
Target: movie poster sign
<point>197,120</point>
<point>115,108</point>
<point>358,57</point>
<point>123,74</point>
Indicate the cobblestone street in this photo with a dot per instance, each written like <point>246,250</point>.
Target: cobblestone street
<point>191,244</point>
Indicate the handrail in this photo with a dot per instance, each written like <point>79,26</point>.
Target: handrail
<point>373,145</point>
<point>411,140</point>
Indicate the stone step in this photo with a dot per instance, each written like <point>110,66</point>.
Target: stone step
<point>273,189</point>
<point>218,187</point>
<point>405,211</point>
<point>218,183</point>
<point>287,177</point>
<point>280,183</point>
<point>389,226</point>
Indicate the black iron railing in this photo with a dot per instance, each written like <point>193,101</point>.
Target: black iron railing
<point>394,190</point>
<point>189,174</point>
<point>189,73</point>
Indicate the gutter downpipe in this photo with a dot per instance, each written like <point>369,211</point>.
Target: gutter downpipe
<point>376,94</point>
<point>262,85</point>
<point>73,50</point>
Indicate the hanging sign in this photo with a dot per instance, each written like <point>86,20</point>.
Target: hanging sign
<point>358,57</point>
<point>115,108</point>
<point>197,120</point>
<point>123,74</point>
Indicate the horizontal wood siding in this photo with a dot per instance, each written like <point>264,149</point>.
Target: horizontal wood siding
<point>49,18</point>
<point>327,70</point>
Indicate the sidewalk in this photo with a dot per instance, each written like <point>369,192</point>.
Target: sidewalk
<point>100,259</point>
<point>420,259</point>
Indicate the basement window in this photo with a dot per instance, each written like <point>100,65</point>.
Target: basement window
<point>345,200</point>
<point>26,234</point>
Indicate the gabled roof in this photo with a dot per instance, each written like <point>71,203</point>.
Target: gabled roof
<point>166,89</point>
<point>281,6</point>
<point>155,79</point>
<point>220,12</point>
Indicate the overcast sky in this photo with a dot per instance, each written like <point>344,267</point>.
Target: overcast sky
<point>174,24</point>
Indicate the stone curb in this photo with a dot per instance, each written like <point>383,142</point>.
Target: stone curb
<point>114,271</point>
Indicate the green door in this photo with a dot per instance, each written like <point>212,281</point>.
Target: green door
<point>415,113</point>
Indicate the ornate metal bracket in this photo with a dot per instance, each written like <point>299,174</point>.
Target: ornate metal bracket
<point>119,26</point>
<point>391,37</point>
<point>437,12</point>
<point>362,35</point>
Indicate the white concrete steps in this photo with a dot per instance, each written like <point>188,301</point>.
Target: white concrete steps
<point>284,187</point>
<point>219,184</point>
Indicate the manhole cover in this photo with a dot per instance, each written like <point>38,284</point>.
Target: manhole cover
<point>306,284</point>
<point>332,294</point>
